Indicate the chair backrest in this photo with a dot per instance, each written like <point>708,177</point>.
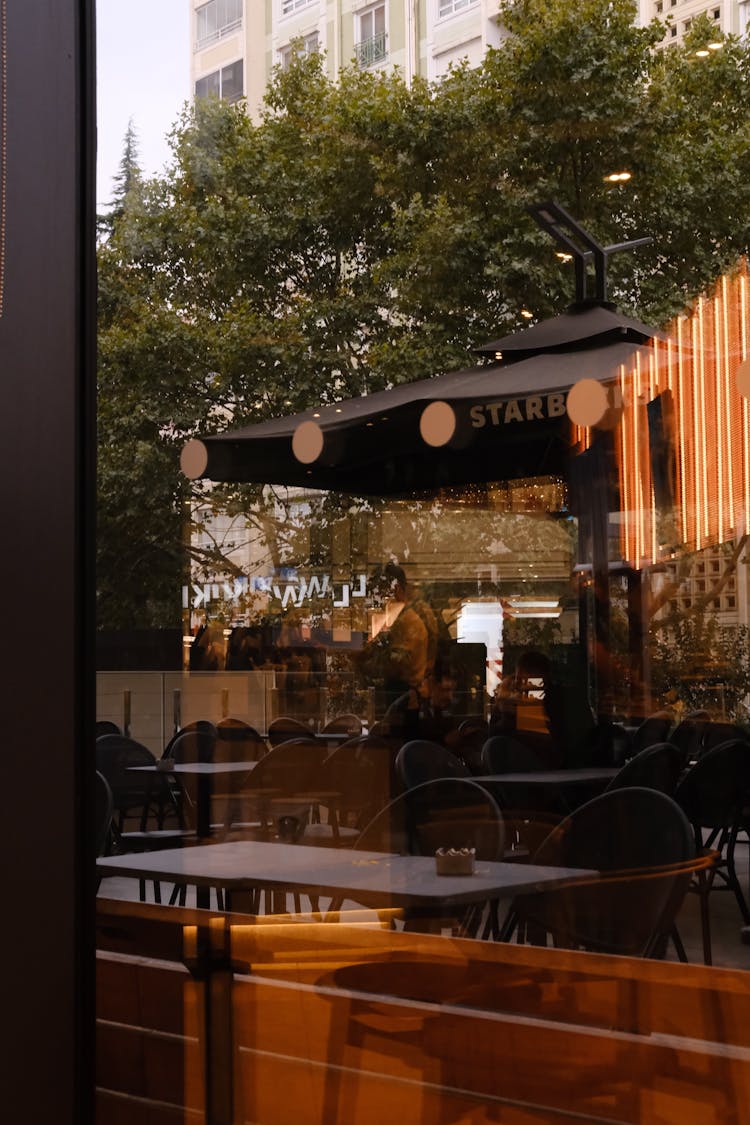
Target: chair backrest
<point>688,737</point>
<point>354,777</point>
<point>104,808</point>
<point>285,728</point>
<point>504,754</point>
<point>640,842</point>
<point>105,726</point>
<point>451,812</point>
<point>343,724</point>
<point>421,760</point>
<point>653,729</point>
<point>116,757</point>
<point>291,767</point>
<point>194,746</point>
<point>238,741</point>
<point>657,767</point>
<point>714,789</point>
<point>201,725</point>
<point>714,734</point>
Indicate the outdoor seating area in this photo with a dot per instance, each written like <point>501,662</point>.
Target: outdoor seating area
<point>294,827</point>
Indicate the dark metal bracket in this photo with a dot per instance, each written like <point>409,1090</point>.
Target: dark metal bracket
<point>583,247</point>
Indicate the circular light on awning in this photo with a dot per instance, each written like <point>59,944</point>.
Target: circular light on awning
<point>307,442</point>
<point>587,402</point>
<point>194,459</point>
<point>742,378</point>
<point>437,424</point>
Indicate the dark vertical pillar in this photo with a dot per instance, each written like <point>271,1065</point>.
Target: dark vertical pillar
<point>46,368</point>
<point>640,670</point>
<point>600,573</point>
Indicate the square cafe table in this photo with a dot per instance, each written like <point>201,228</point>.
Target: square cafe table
<point>375,879</point>
<point>205,772</point>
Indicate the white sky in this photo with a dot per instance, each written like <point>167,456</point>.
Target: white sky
<point>143,72</point>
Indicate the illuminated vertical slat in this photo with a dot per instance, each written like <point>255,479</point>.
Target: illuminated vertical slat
<point>703,418</point>
<point>626,525</point>
<point>638,477</point>
<point>650,508</point>
<point>636,514</point>
<point>729,399</point>
<point>745,419</point>
<point>721,446</point>
<point>696,431</point>
<point>682,427</point>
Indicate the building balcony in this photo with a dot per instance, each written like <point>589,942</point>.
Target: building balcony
<point>370,52</point>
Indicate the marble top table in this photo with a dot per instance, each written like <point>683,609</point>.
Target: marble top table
<point>375,879</point>
<point>205,772</point>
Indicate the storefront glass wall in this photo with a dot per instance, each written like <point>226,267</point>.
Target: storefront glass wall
<point>434,803</point>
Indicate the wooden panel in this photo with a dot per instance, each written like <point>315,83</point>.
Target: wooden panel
<point>471,1031</point>
<point>391,1049</point>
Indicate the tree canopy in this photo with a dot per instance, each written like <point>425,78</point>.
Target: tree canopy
<point>360,233</point>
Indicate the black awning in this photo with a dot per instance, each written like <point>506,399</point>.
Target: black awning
<point>586,324</point>
<point>509,421</point>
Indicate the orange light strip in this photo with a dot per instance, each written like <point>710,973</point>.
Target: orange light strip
<point>701,381</point>
<point>696,433</point>
<point>626,533</point>
<point>728,397</point>
<point>637,476</point>
<point>711,425</point>
<point>745,435</point>
<point>683,442</point>
<point>721,418</point>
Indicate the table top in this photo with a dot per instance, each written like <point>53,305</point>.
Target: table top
<point>551,777</point>
<point>375,878</point>
<point>197,768</point>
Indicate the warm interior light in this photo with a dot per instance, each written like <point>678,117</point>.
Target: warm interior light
<point>617,177</point>
<point>527,314</point>
<point>563,256</point>
<point>715,46</point>
<point>702,54</point>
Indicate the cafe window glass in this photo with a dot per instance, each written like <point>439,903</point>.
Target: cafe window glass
<point>423,647</point>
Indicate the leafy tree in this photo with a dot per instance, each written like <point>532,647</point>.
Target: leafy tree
<point>361,233</point>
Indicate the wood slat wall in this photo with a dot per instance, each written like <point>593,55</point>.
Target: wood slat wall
<point>534,1036</point>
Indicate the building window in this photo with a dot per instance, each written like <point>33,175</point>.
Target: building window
<point>659,7</point>
<point>673,32</point>
<point>215,20</point>
<point>717,13</point>
<point>226,83</point>
<point>289,6</point>
<point>448,7</point>
<point>370,47</point>
<point>306,45</point>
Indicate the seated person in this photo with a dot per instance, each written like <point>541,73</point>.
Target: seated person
<point>415,715</point>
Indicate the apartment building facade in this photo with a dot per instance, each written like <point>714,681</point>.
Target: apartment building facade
<point>237,43</point>
<point>729,16</point>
